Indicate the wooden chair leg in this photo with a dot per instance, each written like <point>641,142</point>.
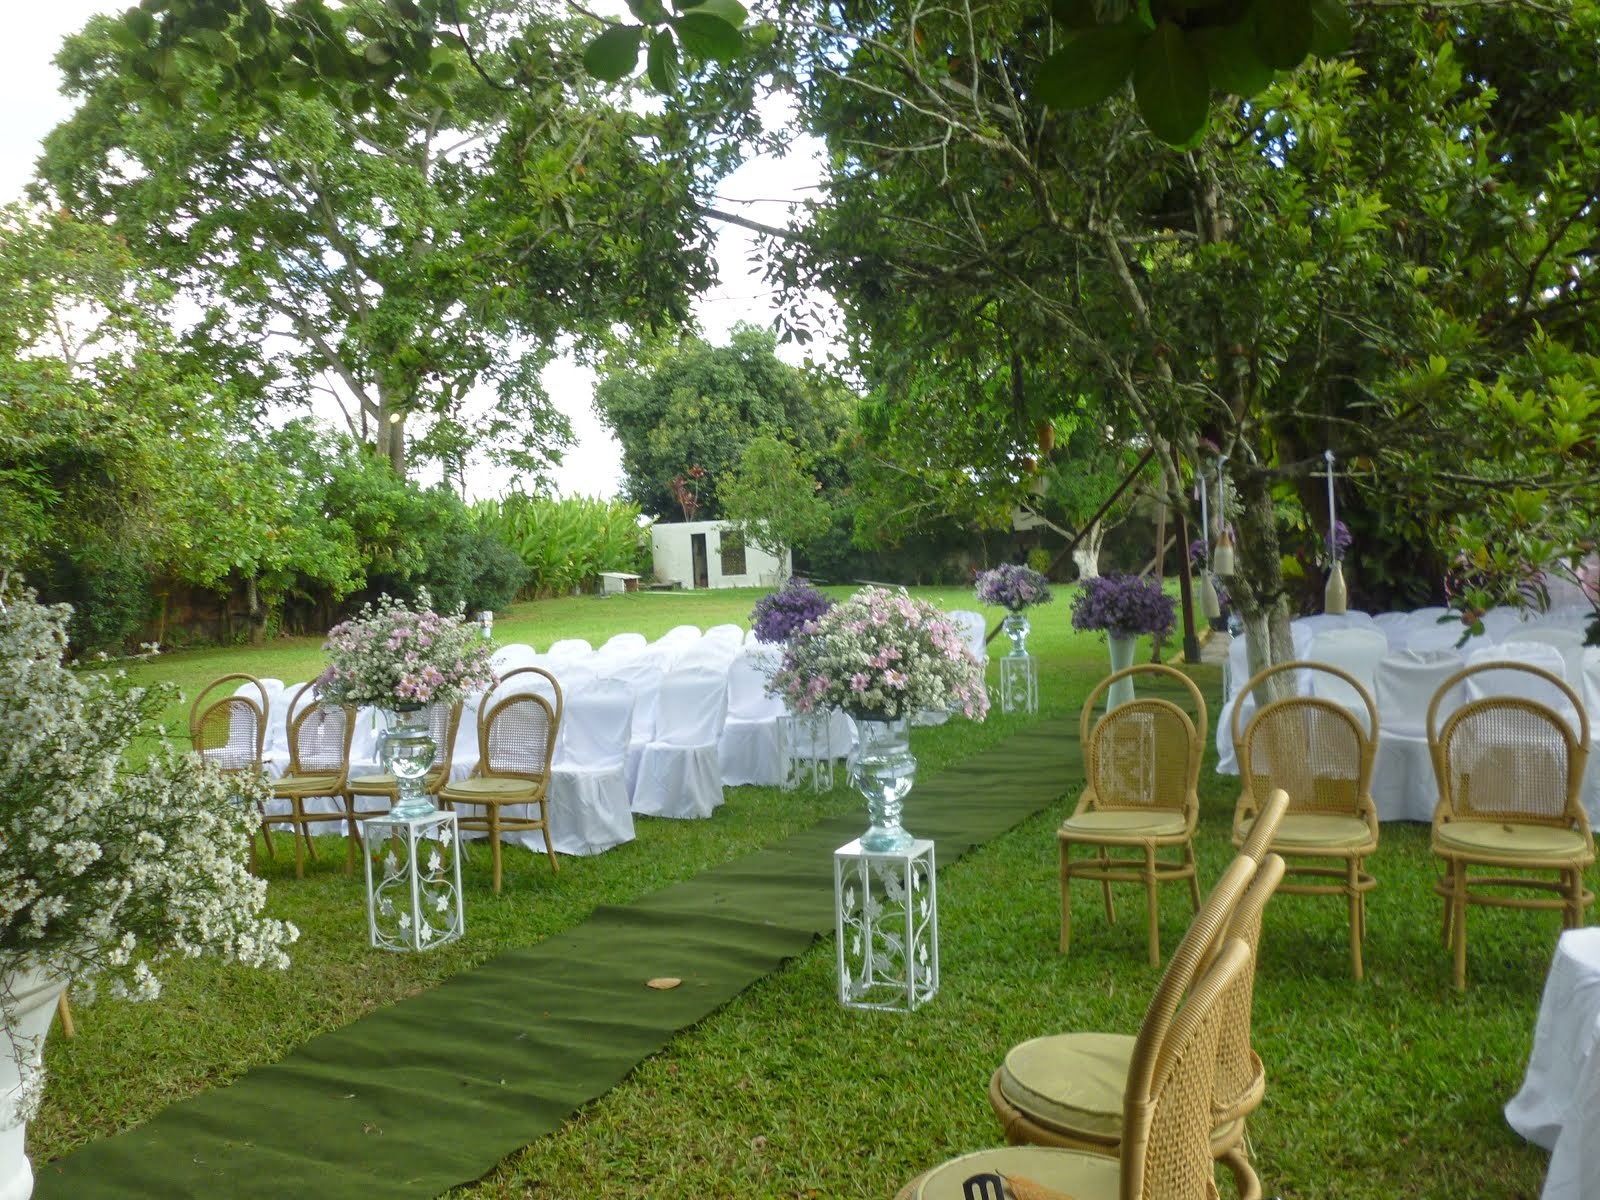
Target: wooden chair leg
<point>1194,875</point>
<point>1352,878</point>
<point>1152,899</point>
<point>494,843</point>
<point>1245,1180</point>
<point>64,1011</point>
<point>1066,898</point>
<point>302,839</point>
<point>1459,920</point>
<point>1105,887</point>
<point>544,819</point>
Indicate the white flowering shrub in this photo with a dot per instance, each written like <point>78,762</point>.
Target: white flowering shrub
<point>105,870</point>
<point>884,655</point>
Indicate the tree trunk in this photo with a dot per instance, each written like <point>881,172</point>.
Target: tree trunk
<point>258,614</point>
<point>1258,587</point>
<point>1086,554</point>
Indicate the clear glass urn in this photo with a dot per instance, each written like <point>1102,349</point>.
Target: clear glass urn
<point>407,751</point>
<point>884,773</point>
<point>1015,625</point>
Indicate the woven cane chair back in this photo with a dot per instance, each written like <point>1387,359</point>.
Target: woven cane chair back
<point>517,738</point>
<point>443,721</point>
<point>1144,754</point>
<point>1509,758</point>
<point>1313,748</point>
<point>1265,827</point>
<point>1166,1148</point>
<point>319,735</point>
<point>1239,1073</point>
<point>230,732</point>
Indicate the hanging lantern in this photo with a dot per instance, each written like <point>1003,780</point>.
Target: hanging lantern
<point>1222,554</point>
<point>1334,596</point>
<point>1210,606</point>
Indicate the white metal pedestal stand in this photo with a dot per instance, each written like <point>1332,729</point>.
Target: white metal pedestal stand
<point>888,926</point>
<point>416,902</point>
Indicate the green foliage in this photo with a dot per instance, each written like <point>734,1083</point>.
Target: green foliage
<point>108,587</point>
<point>773,500</point>
<point>565,544</point>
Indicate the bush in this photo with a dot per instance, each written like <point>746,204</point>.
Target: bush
<point>108,587</point>
<point>565,544</point>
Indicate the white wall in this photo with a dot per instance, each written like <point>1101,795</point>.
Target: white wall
<point>673,553</point>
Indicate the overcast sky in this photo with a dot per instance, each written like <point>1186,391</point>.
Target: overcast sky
<point>31,99</point>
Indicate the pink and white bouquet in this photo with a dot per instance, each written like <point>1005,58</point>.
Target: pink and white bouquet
<point>397,657</point>
<point>880,654</point>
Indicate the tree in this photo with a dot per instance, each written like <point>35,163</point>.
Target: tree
<point>697,405</point>
<point>398,255</point>
<point>772,500</point>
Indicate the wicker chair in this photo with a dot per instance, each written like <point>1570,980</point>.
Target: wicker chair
<point>1316,750</point>
<point>1166,1115</point>
<point>1509,771</point>
<point>1068,1090</point>
<point>516,742</point>
<point>230,732</point>
<point>443,721</point>
<point>1142,760</point>
<point>319,762</point>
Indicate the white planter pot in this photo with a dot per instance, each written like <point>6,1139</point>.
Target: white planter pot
<point>31,999</point>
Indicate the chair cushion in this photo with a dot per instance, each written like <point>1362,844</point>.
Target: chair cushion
<point>1125,822</point>
<point>493,788</point>
<point>1501,838</point>
<point>1316,831</point>
<point>1072,1173</point>
<point>304,785</point>
<point>1072,1082</point>
<point>372,783</point>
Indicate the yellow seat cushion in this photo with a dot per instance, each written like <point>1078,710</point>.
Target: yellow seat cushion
<point>1316,831</point>
<point>1072,1173</point>
<point>1500,838</point>
<point>372,783</point>
<point>497,787</point>
<point>1125,822</point>
<point>1071,1081</point>
<point>305,785</point>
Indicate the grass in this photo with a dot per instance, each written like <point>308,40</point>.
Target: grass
<point>1379,1089</point>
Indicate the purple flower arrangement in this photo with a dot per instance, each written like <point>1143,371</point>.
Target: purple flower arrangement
<point>1124,606</point>
<point>779,615</point>
<point>1013,587</point>
<point>1338,541</point>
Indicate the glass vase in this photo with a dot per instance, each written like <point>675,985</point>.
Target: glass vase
<point>884,772</point>
<point>1122,649</point>
<point>407,752</point>
<point>1015,627</point>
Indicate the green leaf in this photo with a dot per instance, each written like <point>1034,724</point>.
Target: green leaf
<point>650,12</point>
<point>377,53</point>
<point>1232,64</point>
<point>1331,28</point>
<point>708,36</point>
<point>1170,83</point>
<point>730,11</point>
<point>1073,14</point>
<point>614,54</point>
<point>1092,65</point>
<point>1283,32</point>
<point>662,61</point>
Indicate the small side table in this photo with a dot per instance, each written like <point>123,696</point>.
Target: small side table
<point>888,926</point>
<point>1019,683</point>
<point>416,903</point>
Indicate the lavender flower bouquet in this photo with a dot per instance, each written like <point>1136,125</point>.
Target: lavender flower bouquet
<point>779,615</point>
<point>1124,606</point>
<point>1013,587</point>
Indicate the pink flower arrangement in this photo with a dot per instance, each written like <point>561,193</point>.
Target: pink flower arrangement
<point>395,657</point>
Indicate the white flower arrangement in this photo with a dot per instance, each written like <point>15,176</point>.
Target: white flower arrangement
<point>881,654</point>
<point>106,870</point>
<point>396,657</point>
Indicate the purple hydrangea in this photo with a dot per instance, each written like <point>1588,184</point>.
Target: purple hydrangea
<point>778,615</point>
<point>1124,605</point>
<point>1013,586</point>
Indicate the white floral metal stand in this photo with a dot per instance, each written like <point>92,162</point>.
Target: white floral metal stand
<point>888,926</point>
<point>1019,683</point>
<point>414,903</point>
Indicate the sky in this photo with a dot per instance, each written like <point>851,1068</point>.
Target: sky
<point>762,189</point>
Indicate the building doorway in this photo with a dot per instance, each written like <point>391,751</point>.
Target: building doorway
<point>697,550</point>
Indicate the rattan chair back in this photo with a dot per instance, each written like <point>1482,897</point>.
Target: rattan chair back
<point>1265,827</point>
<point>1166,1121</point>
<point>1312,748</point>
<point>517,738</point>
<point>521,681</point>
<point>319,736</point>
<point>1145,753</point>
<point>443,722</point>
<point>1240,1078</point>
<point>230,731</point>
<point>1509,758</point>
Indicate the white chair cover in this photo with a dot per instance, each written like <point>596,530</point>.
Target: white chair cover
<point>623,646</point>
<point>679,775</point>
<point>713,654</point>
<point>568,649</point>
<point>725,633</point>
<point>1351,649</point>
<point>1393,625</point>
<point>1590,692</point>
<point>1499,622</point>
<point>1317,623</point>
<point>750,638</point>
<point>1518,683</point>
<point>1568,641</point>
<point>1403,784</point>
<point>643,677</point>
<point>974,629</point>
<point>678,635</point>
<point>752,745</point>
<point>509,658</point>
<point>1433,636</point>
<point>588,800</point>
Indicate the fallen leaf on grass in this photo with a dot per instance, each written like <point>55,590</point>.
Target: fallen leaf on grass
<point>664,983</point>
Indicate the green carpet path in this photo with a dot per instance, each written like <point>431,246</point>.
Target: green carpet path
<point>436,1089</point>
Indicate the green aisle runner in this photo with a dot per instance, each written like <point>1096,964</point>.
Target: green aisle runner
<point>435,1090</point>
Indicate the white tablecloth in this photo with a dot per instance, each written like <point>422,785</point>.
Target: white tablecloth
<point>1559,1104</point>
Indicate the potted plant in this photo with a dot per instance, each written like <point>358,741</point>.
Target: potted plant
<point>106,869</point>
<point>1014,588</point>
<point>881,656</point>
<point>1124,607</point>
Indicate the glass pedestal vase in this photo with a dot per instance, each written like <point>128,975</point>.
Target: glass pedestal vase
<point>1015,626</point>
<point>1122,648</point>
<point>884,772</point>
<point>407,751</point>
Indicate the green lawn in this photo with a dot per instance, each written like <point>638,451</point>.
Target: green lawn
<point>1379,1089</point>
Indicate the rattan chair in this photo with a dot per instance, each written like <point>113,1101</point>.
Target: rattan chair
<point>1509,771</point>
<point>1166,1115</point>
<point>230,732</point>
<point>1316,750</point>
<point>319,762</point>
<point>1142,761</point>
<point>516,742</point>
<point>443,721</point>
<point>1067,1090</point>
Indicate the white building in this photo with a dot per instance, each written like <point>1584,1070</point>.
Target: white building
<point>705,554</point>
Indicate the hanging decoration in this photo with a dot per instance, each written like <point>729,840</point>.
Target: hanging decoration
<point>1334,596</point>
<point>1222,557</point>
